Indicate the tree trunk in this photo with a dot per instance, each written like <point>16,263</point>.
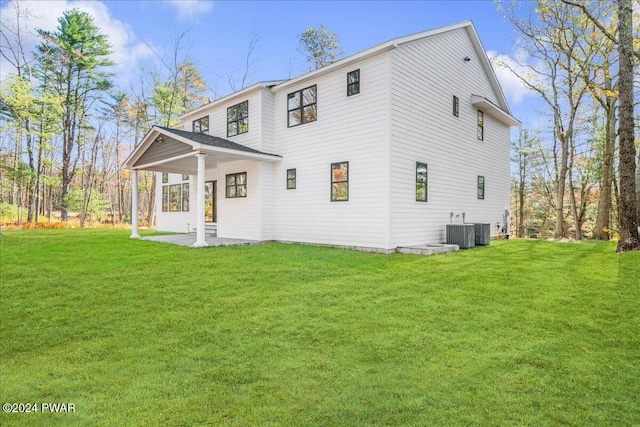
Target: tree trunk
<point>627,209</point>
<point>603,220</point>
<point>559,232</point>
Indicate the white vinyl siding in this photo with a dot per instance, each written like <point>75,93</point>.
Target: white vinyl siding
<point>177,222</point>
<point>424,75</point>
<point>348,129</point>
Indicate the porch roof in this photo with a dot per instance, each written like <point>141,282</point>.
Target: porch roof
<point>172,150</point>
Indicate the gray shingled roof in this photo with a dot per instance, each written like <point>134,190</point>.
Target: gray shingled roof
<point>214,141</point>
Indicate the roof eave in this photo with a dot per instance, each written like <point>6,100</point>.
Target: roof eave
<point>495,111</point>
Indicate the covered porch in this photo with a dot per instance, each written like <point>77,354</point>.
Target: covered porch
<point>175,151</point>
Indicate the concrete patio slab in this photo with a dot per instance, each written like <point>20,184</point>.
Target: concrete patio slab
<point>190,239</point>
<point>428,249</point>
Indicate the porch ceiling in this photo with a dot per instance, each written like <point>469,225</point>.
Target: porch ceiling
<point>174,151</point>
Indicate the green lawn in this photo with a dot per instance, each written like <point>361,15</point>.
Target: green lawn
<point>138,333</point>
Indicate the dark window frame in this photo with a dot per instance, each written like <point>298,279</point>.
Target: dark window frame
<point>353,87</point>
<point>236,117</point>
<point>185,197</point>
<point>175,197</point>
<point>165,198</point>
<point>456,106</point>
<point>335,183</point>
<point>420,182</point>
<point>301,106</point>
<point>291,180</point>
<point>239,189</point>
<point>480,125</point>
<point>200,128</point>
<point>481,187</point>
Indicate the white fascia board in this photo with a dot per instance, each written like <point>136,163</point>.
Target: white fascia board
<point>226,98</point>
<point>163,161</point>
<point>138,151</point>
<point>484,105</point>
<point>386,46</point>
<point>335,65</point>
<point>244,155</point>
<point>486,64</point>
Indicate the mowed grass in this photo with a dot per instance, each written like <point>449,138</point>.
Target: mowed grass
<point>138,333</point>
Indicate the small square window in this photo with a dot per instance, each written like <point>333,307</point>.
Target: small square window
<point>353,83</point>
<point>302,106</point>
<point>480,187</point>
<point>165,177</point>
<point>236,185</point>
<point>291,179</point>
<point>456,106</point>
<point>201,125</point>
<point>185,177</point>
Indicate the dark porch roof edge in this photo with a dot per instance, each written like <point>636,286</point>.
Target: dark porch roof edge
<point>213,141</point>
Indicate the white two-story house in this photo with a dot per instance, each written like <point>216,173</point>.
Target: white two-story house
<point>374,151</point>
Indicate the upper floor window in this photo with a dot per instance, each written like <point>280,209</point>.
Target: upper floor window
<point>238,119</point>
<point>165,177</point>
<point>291,179</point>
<point>421,182</point>
<point>456,106</point>
<point>480,187</point>
<point>201,125</point>
<point>353,82</point>
<point>302,106</point>
<point>236,184</point>
<point>480,125</point>
<point>185,177</point>
<point>340,182</point>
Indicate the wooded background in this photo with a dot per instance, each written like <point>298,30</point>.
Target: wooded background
<point>575,174</point>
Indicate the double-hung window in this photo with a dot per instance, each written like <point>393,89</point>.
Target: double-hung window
<point>340,182</point>
<point>238,119</point>
<point>291,179</point>
<point>353,82</point>
<point>302,106</point>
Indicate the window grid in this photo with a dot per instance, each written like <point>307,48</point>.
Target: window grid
<point>201,125</point>
<point>302,106</point>
<point>291,179</point>
<point>353,82</point>
<point>238,119</point>
<point>340,182</point>
<point>236,185</point>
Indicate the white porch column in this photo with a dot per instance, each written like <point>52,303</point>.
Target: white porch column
<point>200,240</point>
<point>134,204</point>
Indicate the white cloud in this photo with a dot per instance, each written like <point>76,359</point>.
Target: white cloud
<point>189,10</point>
<point>513,87</point>
<point>127,50</point>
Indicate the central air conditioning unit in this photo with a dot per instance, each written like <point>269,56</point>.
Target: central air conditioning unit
<point>463,235</point>
<point>483,233</point>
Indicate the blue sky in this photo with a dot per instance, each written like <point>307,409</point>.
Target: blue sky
<point>220,32</point>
